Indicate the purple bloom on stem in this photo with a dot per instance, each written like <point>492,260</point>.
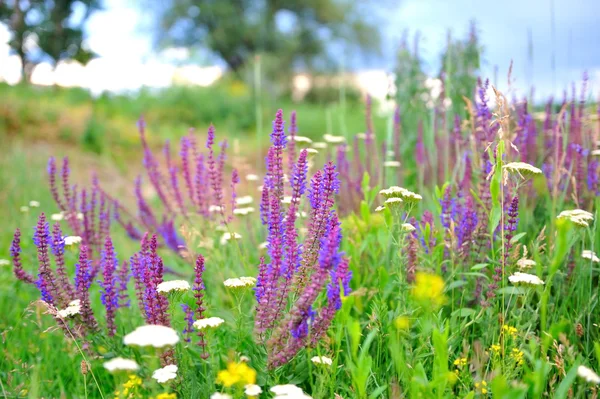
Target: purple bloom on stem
<point>109,295</point>
<point>199,289</point>
<point>15,253</point>
<point>123,279</point>
<point>46,281</point>
<point>82,285</point>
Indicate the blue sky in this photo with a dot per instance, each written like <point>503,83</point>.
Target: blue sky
<point>121,30</point>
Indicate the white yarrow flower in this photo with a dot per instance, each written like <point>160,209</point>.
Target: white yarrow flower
<point>229,236</point>
<point>391,164</point>
<point>407,227</point>
<point>24,209</point>
<point>211,322</point>
<point>524,263</point>
<point>219,395</point>
<point>380,208</point>
<point>71,310</point>
<point>577,216</point>
<point>79,216</point>
<point>243,211</point>
<point>173,285</point>
<point>330,138</point>
<point>245,200</point>
<point>240,282</point>
<point>319,145</point>
<point>400,192</point>
<point>390,202</point>
<point>302,139</point>
<point>525,278</point>
<point>522,169</point>
<point>588,374</point>
<point>165,374</point>
<point>72,240</point>
<point>587,254</point>
<point>252,390</point>
<point>120,364</point>
<point>321,360</point>
<point>215,208</point>
<point>263,245</point>
<point>152,335</point>
<point>252,177</point>
<point>34,204</point>
<point>4,262</point>
<point>57,217</point>
<point>288,391</point>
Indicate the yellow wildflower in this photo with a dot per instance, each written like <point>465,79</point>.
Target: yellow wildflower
<point>452,377</point>
<point>496,348</point>
<point>429,288</point>
<point>402,323</point>
<point>166,396</point>
<point>236,373</point>
<point>460,362</point>
<point>517,356</point>
<point>481,387</point>
<point>510,330</point>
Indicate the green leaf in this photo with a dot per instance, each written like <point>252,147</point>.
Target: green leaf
<point>455,284</point>
<point>464,312</point>
<point>480,266</point>
<point>517,237</point>
<point>565,384</point>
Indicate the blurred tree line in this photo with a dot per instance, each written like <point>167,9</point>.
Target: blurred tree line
<point>47,30</point>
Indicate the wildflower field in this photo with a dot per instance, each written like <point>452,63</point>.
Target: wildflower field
<point>451,254</point>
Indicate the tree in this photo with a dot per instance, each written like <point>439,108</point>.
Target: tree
<point>297,32</point>
<point>53,26</point>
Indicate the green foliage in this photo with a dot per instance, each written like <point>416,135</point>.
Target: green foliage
<point>289,32</point>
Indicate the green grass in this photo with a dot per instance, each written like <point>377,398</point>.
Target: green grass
<point>390,339</point>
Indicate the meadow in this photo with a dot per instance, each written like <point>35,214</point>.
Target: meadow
<point>434,249</point>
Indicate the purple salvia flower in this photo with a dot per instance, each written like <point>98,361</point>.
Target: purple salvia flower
<point>264,205</point>
<point>189,322</point>
<point>109,294</point>
<point>46,282</point>
<point>200,181</point>
<point>58,250</point>
<point>82,285</point>
<point>138,279</point>
<point>412,259</point>
<point>168,232</point>
<point>65,180</point>
<point>53,186</point>
<point>185,167</point>
<point>592,177</point>
<point>259,289</point>
<point>291,147</point>
<point>123,280</point>
<point>235,179</point>
<point>446,203</point>
<point>213,171</point>
<point>15,253</point>
<point>152,168</point>
<point>199,289</point>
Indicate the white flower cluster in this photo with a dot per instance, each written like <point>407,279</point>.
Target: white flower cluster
<point>71,310</point>
<point>330,138</point>
<point>588,374</point>
<point>211,322</point>
<point>522,169</point>
<point>321,360</point>
<point>578,216</point>
<point>72,240</point>
<point>587,254</point>
<point>252,390</point>
<point>400,192</point>
<point>228,236</point>
<point>525,278</point>
<point>120,364</point>
<point>243,211</point>
<point>152,335</point>
<point>288,391</point>
<point>165,374</point>
<point>173,285</point>
<point>245,200</point>
<point>240,282</point>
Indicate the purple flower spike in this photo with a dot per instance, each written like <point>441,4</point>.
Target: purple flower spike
<point>15,253</point>
<point>109,296</point>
